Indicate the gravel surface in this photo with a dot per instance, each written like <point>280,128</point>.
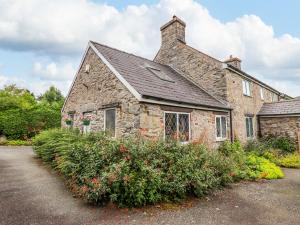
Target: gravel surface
<point>31,193</point>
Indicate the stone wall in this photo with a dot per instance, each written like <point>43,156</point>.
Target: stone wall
<point>208,73</point>
<point>99,89</point>
<point>280,126</point>
<point>198,67</point>
<point>202,122</point>
<point>244,105</point>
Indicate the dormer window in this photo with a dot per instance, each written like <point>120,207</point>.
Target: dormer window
<point>160,74</point>
<point>246,88</point>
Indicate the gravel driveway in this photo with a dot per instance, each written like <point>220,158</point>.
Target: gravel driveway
<point>30,193</point>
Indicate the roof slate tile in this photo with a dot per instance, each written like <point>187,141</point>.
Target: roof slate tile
<point>281,108</point>
<point>134,70</point>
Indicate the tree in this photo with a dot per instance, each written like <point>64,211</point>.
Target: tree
<point>52,96</point>
<point>22,116</point>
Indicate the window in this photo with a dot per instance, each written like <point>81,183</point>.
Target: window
<point>274,97</point>
<point>246,88</point>
<point>221,127</point>
<point>110,122</point>
<point>249,127</point>
<point>177,126</point>
<point>70,122</point>
<point>160,74</point>
<point>261,93</point>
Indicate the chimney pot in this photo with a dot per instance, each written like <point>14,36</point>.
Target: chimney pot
<point>234,61</point>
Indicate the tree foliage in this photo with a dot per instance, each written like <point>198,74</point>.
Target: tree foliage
<point>22,115</point>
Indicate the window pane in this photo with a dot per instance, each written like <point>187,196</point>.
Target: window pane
<point>110,121</point>
<point>251,127</point>
<point>223,122</point>
<point>248,88</point>
<point>244,87</point>
<point>218,126</point>
<point>171,126</point>
<point>184,127</point>
<point>247,127</point>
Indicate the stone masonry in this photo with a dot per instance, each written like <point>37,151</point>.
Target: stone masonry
<point>281,126</point>
<point>99,89</point>
<point>202,123</point>
<point>208,73</point>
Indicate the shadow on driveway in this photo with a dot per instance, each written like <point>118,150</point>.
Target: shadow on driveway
<point>30,193</point>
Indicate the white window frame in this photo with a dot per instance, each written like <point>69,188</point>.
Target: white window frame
<point>246,88</point>
<point>177,122</point>
<point>262,97</point>
<point>221,130</point>
<point>104,121</point>
<point>249,117</point>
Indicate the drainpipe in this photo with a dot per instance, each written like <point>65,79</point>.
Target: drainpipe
<point>259,127</point>
<point>231,126</point>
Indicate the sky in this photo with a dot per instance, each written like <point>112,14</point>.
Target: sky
<point>42,41</point>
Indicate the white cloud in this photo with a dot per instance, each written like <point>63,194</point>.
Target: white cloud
<point>54,72</point>
<point>36,86</point>
<point>64,27</point>
<point>6,80</point>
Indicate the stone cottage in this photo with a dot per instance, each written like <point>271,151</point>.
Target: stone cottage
<point>183,93</point>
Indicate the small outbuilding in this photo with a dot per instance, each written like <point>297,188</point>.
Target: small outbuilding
<point>281,119</point>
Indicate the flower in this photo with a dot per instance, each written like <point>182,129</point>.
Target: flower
<point>95,181</point>
<point>84,189</point>
<point>123,148</point>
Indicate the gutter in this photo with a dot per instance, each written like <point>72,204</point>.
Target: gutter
<point>280,115</point>
<point>231,127</point>
<point>161,101</point>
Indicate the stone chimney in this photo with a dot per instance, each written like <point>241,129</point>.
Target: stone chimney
<point>172,31</point>
<point>234,61</point>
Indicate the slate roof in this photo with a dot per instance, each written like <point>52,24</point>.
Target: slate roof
<point>290,107</point>
<point>135,70</point>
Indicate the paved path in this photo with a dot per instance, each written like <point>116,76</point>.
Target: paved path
<point>31,193</point>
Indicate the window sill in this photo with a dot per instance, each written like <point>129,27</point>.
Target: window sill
<point>248,96</point>
<point>221,139</point>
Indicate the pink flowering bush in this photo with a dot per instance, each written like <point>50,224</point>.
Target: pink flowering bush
<point>132,172</point>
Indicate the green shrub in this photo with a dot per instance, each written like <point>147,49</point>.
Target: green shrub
<point>285,144</point>
<point>256,146</point>
<point>22,116</point>
<point>16,142</point>
<point>260,167</point>
<point>132,172</point>
<point>290,161</point>
<point>237,157</point>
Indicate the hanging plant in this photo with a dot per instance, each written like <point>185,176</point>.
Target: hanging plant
<point>68,122</point>
<point>86,122</point>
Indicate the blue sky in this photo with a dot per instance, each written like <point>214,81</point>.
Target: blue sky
<point>42,44</point>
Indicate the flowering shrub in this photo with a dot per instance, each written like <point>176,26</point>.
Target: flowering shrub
<point>132,172</point>
<point>136,172</point>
